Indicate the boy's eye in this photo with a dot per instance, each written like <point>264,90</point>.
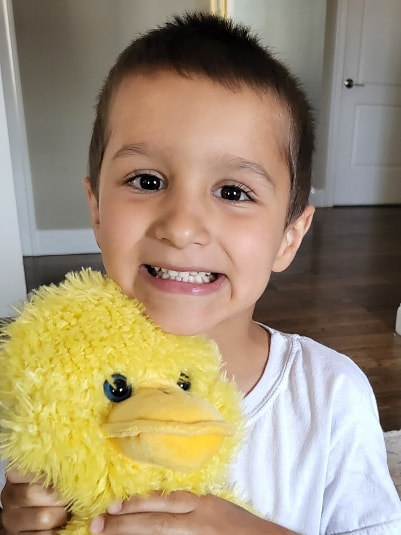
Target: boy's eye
<point>233,193</point>
<point>146,182</point>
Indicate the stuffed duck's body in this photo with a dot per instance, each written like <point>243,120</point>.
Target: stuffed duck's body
<point>104,405</point>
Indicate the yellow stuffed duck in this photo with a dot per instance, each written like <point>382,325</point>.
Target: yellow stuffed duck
<point>103,404</point>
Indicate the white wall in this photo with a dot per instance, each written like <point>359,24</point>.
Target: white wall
<point>12,279</point>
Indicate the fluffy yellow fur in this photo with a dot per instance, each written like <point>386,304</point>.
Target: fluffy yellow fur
<point>56,419</point>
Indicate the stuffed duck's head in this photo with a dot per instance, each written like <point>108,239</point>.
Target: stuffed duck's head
<point>104,405</point>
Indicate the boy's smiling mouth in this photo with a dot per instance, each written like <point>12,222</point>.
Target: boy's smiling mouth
<point>192,277</point>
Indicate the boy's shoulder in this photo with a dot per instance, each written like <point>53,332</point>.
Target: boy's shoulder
<point>312,356</point>
<point>300,366</point>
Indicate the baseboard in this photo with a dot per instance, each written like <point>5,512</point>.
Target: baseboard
<point>60,242</point>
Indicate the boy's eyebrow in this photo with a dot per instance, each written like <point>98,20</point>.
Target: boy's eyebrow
<point>234,161</point>
<point>248,165</point>
<point>131,149</point>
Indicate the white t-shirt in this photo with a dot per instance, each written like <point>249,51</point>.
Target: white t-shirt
<point>314,458</point>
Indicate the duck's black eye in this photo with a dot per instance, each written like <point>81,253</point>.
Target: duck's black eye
<point>184,382</point>
<point>118,390</point>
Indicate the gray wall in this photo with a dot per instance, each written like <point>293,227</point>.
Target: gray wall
<point>65,48</point>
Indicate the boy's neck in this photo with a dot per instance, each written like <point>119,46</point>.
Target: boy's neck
<point>245,351</point>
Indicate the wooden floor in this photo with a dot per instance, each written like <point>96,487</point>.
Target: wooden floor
<point>343,290</point>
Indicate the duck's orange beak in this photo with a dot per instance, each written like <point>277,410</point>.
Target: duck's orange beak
<point>168,427</point>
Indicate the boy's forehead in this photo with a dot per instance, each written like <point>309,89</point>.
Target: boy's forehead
<point>136,91</point>
<point>266,98</point>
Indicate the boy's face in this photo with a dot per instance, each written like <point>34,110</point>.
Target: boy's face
<point>193,181</point>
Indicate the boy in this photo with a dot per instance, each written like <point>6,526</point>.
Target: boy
<point>199,176</point>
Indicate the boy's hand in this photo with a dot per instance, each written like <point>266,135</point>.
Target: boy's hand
<point>184,513</point>
<point>30,507</point>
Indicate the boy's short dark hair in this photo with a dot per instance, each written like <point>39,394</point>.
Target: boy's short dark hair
<point>201,44</point>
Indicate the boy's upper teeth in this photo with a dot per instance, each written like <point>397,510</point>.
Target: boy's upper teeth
<point>198,277</point>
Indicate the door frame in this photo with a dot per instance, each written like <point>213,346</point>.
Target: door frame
<point>17,131</point>
<point>329,127</point>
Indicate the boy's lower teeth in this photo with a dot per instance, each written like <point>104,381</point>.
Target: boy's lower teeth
<point>193,277</point>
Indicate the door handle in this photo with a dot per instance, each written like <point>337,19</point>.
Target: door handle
<point>349,83</point>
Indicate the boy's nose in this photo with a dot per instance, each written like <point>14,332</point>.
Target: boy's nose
<point>181,224</point>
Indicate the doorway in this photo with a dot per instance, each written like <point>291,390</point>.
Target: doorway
<point>366,106</point>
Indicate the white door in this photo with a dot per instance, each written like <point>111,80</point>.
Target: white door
<point>368,156</point>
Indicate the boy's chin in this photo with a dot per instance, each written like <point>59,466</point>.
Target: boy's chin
<point>180,328</point>
<point>179,324</point>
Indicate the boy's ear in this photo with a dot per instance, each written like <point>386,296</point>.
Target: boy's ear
<point>292,239</point>
<point>93,209</point>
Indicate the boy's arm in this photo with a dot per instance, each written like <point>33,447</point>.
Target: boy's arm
<point>182,512</point>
